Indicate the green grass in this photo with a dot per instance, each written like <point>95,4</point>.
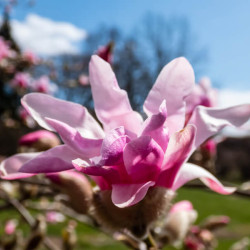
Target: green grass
<point>206,203</point>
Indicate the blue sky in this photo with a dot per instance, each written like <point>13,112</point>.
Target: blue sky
<point>222,26</point>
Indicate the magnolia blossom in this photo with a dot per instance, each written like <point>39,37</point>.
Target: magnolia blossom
<point>42,85</point>
<point>128,156</point>
<point>30,57</point>
<point>21,80</point>
<point>202,94</point>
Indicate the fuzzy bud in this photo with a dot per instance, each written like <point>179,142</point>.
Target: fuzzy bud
<point>137,218</point>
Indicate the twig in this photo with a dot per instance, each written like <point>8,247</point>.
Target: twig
<point>30,220</point>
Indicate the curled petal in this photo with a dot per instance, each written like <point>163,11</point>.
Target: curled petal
<point>41,106</point>
<point>9,168</point>
<point>70,136</point>
<point>178,151</point>
<point>154,127</point>
<point>173,84</point>
<point>111,103</point>
<point>125,195</point>
<point>210,121</point>
<point>53,160</point>
<point>143,158</point>
<point>108,173</point>
<point>112,147</point>
<point>190,172</point>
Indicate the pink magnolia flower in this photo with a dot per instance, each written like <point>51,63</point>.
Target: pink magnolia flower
<point>4,49</point>
<point>202,94</point>
<point>42,85</point>
<point>21,80</point>
<point>127,156</point>
<point>30,57</point>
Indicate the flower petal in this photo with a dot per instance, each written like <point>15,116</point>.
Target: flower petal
<point>111,103</point>
<point>174,83</point>
<point>9,168</point>
<point>112,147</point>
<point>70,136</point>
<point>41,106</point>
<point>111,175</point>
<point>143,158</point>
<point>53,160</point>
<point>125,195</point>
<point>154,127</point>
<point>210,121</point>
<point>178,151</point>
<point>190,172</point>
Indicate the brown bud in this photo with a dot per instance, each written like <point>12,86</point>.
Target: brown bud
<point>136,218</point>
<point>78,189</point>
<point>177,226</point>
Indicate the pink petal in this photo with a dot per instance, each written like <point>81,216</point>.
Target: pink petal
<point>110,174</point>
<point>181,206</point>
<point>70,136</point>
<point>210,121</point>
<point>41,106</point>
<point>190,172</point>
<point>125,195</point>
<point>173,84</point>
<point>53,160</point>
<point>111,103</point>
<point>178,151</point>
<point>154,127</point>
<point>113,146</point>
<point>9,168</point>
<point>143,158</point>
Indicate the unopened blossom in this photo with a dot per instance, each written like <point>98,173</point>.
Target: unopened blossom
<point>128,156</point>
<point>178,222</point>
<point>36,141</point>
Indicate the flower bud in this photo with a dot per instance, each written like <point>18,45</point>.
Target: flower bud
<point>137,218</point>
<point>77,187</point>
